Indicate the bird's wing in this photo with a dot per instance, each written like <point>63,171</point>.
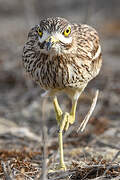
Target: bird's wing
<point>88,43</point>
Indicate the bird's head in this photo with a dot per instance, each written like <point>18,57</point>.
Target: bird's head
<point>53,35</point>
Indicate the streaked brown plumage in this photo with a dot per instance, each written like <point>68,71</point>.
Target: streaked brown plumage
<point>61,56</point>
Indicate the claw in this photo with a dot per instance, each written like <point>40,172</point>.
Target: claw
<point>63,121</point>
<point>66,121</point>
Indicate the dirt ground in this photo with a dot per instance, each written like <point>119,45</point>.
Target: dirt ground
<point>93,154</point>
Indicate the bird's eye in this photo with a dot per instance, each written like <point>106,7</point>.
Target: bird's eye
<point>40,32</point>
<point>67,32</point>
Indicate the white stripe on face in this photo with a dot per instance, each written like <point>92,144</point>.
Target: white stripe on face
<point>57,35</point>
<point>62,38</point>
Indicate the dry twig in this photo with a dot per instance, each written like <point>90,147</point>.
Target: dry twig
<point>87,117</point>
<point>44,132</point>
<point>5,170</point>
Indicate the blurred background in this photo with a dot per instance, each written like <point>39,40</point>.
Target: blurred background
<point>20,102</point>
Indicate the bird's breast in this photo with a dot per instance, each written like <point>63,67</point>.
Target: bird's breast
<point>57,72</point>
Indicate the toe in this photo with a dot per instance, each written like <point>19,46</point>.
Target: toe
<point>63,121</point>
<point>66,125</point>
<point>61,167</point>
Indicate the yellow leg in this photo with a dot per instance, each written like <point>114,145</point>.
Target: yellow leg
<point>64,124</point>
<point>70,118</point>
<point>57,110</point>
<point>72,113</point>
<point>63,119</point>
<point>62,164</point>
<point>59,116</point>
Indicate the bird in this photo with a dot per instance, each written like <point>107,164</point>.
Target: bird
<point>62,57</point>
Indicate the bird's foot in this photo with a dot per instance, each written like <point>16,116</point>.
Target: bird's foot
<point>66,120</point>
<point>60,167</point>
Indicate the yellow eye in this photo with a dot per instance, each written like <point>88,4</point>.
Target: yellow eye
<point>67,32</point>
<point>40,32</point>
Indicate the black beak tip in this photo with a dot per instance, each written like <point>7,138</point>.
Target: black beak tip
<point>48,45</point>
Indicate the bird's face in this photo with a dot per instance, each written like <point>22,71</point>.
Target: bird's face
<point>54,35</point>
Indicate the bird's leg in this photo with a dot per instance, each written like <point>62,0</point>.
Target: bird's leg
<point>63,119</point>
<point>57,110</point>
<point>64,124</point>
<point>59,117</point>
<point>62,164</point>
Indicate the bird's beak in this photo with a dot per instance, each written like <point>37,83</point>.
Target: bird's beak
<point>50,42</point>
